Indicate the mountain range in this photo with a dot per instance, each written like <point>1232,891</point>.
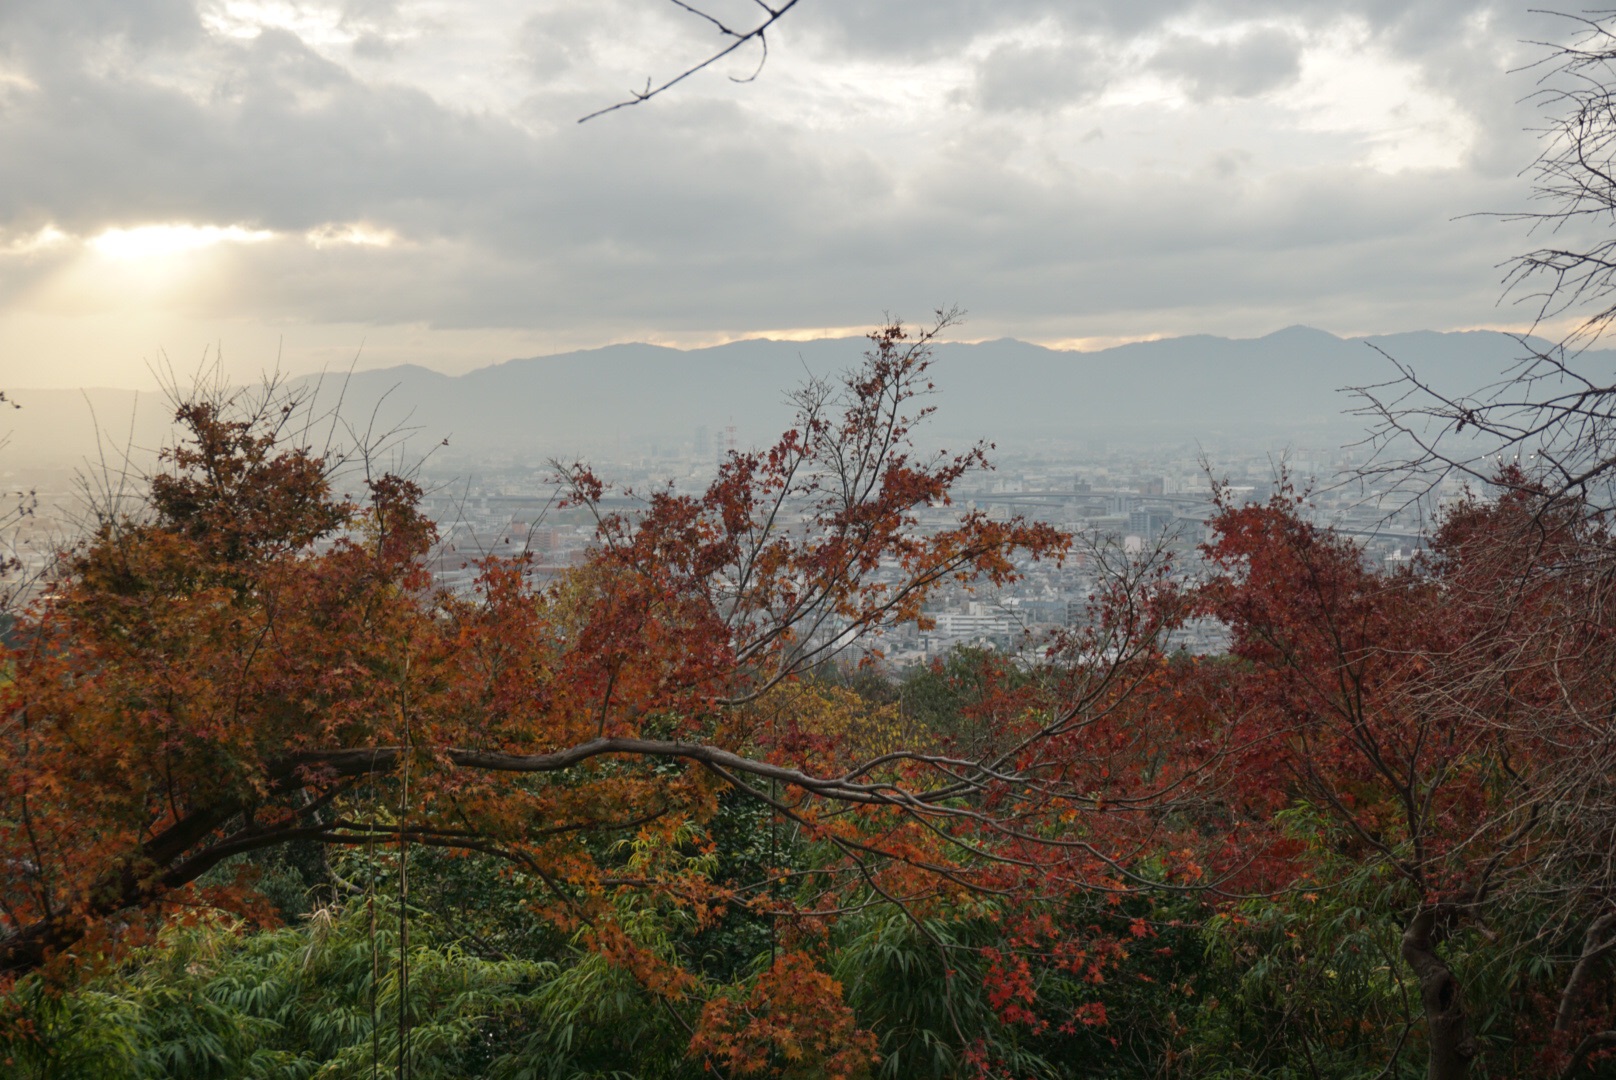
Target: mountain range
<point>1286,384</point>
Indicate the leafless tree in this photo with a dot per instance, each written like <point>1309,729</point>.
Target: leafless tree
<point>1552,415</point>
<point>1573,183</point>
<point>1546,422</point>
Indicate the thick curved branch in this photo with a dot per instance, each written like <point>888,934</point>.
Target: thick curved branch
<point>358,761</point>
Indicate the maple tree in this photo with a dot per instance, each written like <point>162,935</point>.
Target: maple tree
<point>1450,723</point>
<point>980,867</point>
<point>255,661</point>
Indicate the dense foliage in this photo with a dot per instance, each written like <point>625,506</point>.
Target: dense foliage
<point>271,806</point>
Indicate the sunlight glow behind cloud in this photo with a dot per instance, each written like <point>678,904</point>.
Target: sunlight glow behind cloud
<point>352,234</point>
<point>409,173</point>
<point>48,237</point>
<point>246,19</point>
<point>1351,88</point>
<point>155,241</point>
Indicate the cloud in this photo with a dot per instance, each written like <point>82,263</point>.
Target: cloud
<point>421,171</point>
<point>285,139</point>
<point>1017,77</point>
<point>936,28</point>
<point>553,43</point>
<point>1250,64</point>
<point>141,24</point>
<point>911,28</point>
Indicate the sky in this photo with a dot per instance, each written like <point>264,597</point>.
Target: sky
<point>374,182</point>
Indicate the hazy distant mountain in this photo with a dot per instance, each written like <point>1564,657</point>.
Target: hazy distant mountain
<point>1288,382</point>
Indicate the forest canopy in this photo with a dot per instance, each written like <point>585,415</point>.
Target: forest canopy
<point>275,806</point>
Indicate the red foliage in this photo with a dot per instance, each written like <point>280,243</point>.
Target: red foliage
<point>1448,719</point>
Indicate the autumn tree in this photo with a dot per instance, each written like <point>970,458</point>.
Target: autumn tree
<point>1524,584</point>
<point>1450,722</point>
<point>255,660</point>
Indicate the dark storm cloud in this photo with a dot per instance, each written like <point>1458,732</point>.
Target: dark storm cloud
<point>1024,251</point>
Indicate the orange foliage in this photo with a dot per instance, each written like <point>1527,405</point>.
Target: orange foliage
<point>257,660</point>
<point>792,1024</point>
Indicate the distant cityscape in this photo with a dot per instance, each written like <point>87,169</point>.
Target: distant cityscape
<point>1128,496</point>
<point>1121,448</point>
<point>1131,497</point>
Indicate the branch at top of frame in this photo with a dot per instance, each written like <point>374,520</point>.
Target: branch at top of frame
<point>736,38</point>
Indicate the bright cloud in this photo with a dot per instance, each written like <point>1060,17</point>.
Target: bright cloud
<point>1351,87</point>
<point>157,241</point>
<point>48,237</point>
<point>317,24</point>
<point>352,234</point>
<point>1076,172</point>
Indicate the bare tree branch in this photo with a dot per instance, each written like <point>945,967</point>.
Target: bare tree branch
<point>735,38</point>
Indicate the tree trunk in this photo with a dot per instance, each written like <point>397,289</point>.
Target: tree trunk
<point>1594,946</point>
<point>1448,1030</point>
